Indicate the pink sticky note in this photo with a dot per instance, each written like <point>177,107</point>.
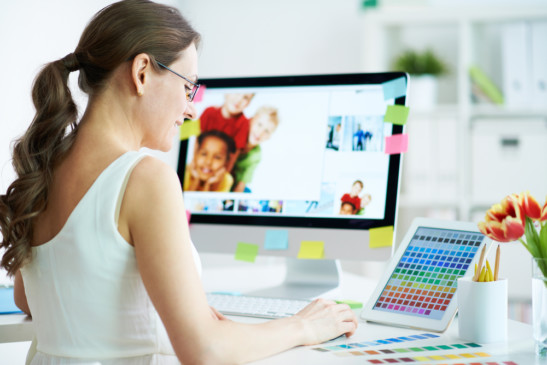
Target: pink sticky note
<point>199,95</point>
<point>397,143</point>
<point>188,215</point>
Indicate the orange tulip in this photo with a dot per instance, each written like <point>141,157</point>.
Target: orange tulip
<point>544,212</point>
<point>530,207</point>
<point>504,222</point>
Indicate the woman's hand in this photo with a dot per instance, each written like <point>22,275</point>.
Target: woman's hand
<point>324,320</point>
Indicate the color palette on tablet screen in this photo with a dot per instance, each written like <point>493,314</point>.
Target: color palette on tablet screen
<point>425,279</point>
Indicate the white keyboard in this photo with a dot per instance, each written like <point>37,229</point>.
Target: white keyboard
<point>249,306</point>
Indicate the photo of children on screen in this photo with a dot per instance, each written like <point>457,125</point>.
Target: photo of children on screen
<point>208,170</point>
<point>262,125</point>
<point>353,202</point>
<point>230,119</point>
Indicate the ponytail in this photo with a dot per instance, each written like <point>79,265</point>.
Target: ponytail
<point>35,154</point>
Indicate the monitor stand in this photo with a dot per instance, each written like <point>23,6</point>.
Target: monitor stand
<point>305,279</point>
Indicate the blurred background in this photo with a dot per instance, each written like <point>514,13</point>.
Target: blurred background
<point>478,91</point>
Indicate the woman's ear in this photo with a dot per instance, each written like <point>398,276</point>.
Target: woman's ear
<point>139,72</point>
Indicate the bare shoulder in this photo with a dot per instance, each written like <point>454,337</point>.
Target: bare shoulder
<point>153,178</point>
<point>153,192</point>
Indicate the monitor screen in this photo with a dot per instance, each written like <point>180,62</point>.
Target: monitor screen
<point>302,153</point>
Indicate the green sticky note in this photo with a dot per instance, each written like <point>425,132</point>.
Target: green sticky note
<point>380,237</point>
<point>352,303</point>
<point>396,114</point>
<point>246,252</point>
<point>311,250</point>
<point>189,128</point>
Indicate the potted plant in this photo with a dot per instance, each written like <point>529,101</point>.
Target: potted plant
<point>424,69</point>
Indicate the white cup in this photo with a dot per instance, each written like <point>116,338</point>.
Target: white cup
<point>482,310</point>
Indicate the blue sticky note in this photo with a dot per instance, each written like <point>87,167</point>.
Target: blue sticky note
<point>276,239</point>
<point>394,88</point>
<point>7,303</point>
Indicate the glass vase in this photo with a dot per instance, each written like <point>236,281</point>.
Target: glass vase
<point>539,305</point>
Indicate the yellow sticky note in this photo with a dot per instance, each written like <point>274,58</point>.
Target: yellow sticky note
<point>246,252</point>
<point>380,237</point>
<point>189,128</point>
<point>420,358</point>
<point>311,250</point>
<point>452,356</point>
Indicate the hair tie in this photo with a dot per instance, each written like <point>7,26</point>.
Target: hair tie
<point>70,61</point>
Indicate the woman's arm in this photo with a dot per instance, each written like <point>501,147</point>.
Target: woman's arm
<point>157,223</point>
<point>19,295</point>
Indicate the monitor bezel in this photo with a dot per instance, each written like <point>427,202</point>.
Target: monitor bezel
<point>307,222</point>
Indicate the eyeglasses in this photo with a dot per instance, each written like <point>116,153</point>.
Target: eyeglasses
<point>190,94</point>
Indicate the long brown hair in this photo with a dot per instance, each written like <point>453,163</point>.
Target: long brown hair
<point>115,35</point>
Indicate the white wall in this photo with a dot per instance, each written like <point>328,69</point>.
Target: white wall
<point>250,37</point>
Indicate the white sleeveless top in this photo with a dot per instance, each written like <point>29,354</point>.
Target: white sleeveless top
<point>85,293</point>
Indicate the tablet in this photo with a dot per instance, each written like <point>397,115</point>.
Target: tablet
<point>418,289</point>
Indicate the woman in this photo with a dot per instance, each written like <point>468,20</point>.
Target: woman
<point>95,231</point>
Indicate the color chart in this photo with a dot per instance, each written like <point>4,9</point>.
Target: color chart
<point>425,279</point>
<point>386,341</point>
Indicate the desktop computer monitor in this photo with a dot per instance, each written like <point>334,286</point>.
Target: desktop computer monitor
<point>310,165</point>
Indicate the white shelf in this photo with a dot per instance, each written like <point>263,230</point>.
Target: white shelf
<point>503,111</point>
<point>407,200</point>
<point>462,36</point>
<point>426,15</point>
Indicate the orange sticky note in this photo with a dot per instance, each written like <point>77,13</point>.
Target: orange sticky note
<point>311,250</point>
<point>380,237</point>
<point>397,143</point>
<point>189,128</point>
<point>199,94</point>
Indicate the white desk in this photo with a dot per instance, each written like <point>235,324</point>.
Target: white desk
<point>518,348</point>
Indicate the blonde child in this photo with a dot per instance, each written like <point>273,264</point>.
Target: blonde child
<point>262,125</point>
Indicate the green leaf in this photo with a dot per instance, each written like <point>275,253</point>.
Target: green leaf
<point>543,241</point>
<point>532,238</point>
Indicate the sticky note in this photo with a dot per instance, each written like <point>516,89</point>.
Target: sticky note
<point>188,215</point>
<point>394,88</point>
<point>189,128</point>
<point>380,237</point>
<point>352,304</point>
<point>199,95</point>
<point>396,114</point>
<point>397,143</point>
<point>246,252</point>
<point>311,250</point>
<point>276,239</point>
<point>7,303</point>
